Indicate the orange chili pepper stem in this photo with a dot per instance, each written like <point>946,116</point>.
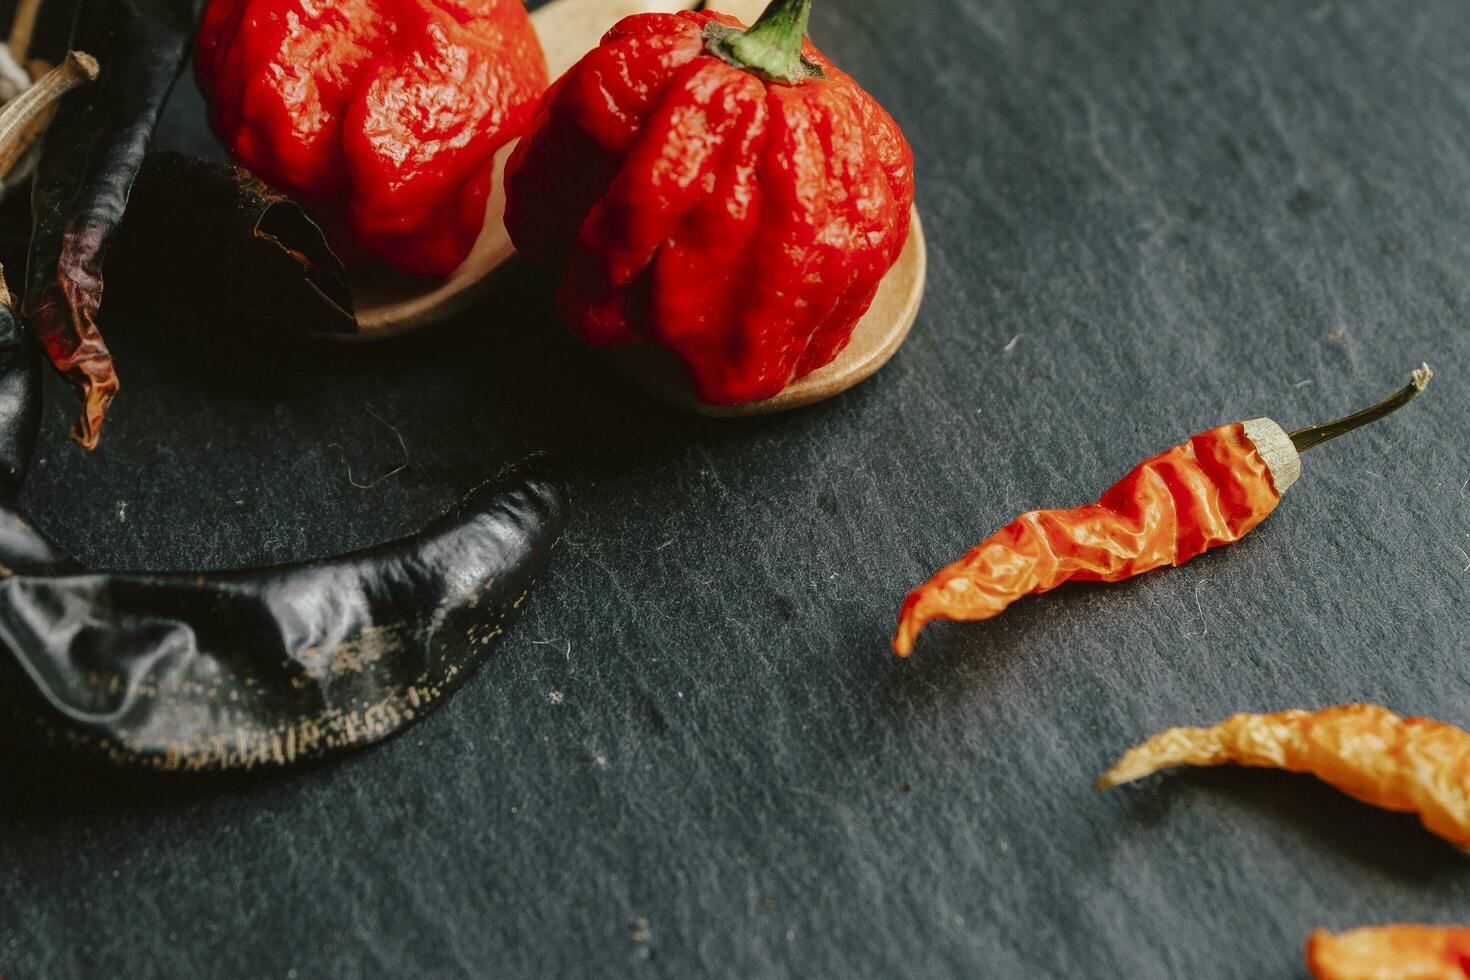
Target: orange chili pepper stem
<point>1315,435</point>
<point>772,47</point>
<point>1205,493</point>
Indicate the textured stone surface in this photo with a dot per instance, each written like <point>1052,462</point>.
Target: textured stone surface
<point>695,755</point>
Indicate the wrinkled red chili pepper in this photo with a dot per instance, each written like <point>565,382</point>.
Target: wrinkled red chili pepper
<point>1399,952</point>
<point>1210,491</point>
<point>729,195</point>
<point>400,104</point>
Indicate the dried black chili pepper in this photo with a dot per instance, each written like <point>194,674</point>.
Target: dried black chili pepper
<point>231,246</point>
<point>89,157</point>
<point>22,550</point>
<point>254,668</point>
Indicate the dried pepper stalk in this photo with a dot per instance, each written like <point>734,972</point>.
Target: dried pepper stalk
<point>196,671</point>
<point>89,156</point>
<point>1212,490</point>
<point>18,73</point>
<point>1400,952</point>
<point>1408,765</point>
<point>28,113</point>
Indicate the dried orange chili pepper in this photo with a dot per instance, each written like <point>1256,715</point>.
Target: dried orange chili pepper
<point>1210,491</point>
<point>1391,953</point>
<point>1408,765</point>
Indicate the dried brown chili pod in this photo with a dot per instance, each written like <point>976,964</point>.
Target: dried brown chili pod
<point>89,156</point>
<point>261,667</point>
<point>218,238</point>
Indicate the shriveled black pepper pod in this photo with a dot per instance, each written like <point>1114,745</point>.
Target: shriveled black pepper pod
<point>89,157</point>
<point>255,668</point>
<point>234,250</point>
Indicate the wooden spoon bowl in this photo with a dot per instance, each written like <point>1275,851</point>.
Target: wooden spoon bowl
<point>875,339</point>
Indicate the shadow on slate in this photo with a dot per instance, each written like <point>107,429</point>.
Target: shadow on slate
<point>1112,185</point>
<point>173,347</point>
<point>1392,844</point>
<point>255,668</point>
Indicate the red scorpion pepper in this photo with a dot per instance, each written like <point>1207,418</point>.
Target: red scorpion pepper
<point>1212,490</point>
<point>401,104</point>
<point>728,194</point>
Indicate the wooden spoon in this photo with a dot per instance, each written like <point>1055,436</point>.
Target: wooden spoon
<point>390,303</point>
<point>875,339</point>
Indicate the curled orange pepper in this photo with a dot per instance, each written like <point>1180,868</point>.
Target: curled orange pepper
<point>1210,491</point>
<point>1408,765</point>
<point>1401,952</point>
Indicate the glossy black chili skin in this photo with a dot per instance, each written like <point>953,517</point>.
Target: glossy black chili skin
<point>89,158</point>
<point>255,668</point>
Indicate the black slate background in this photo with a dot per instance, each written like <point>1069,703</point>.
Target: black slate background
<point>695,755</point>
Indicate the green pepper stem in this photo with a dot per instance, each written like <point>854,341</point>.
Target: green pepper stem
<point>772,46</point>
<point>1315,435</point>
